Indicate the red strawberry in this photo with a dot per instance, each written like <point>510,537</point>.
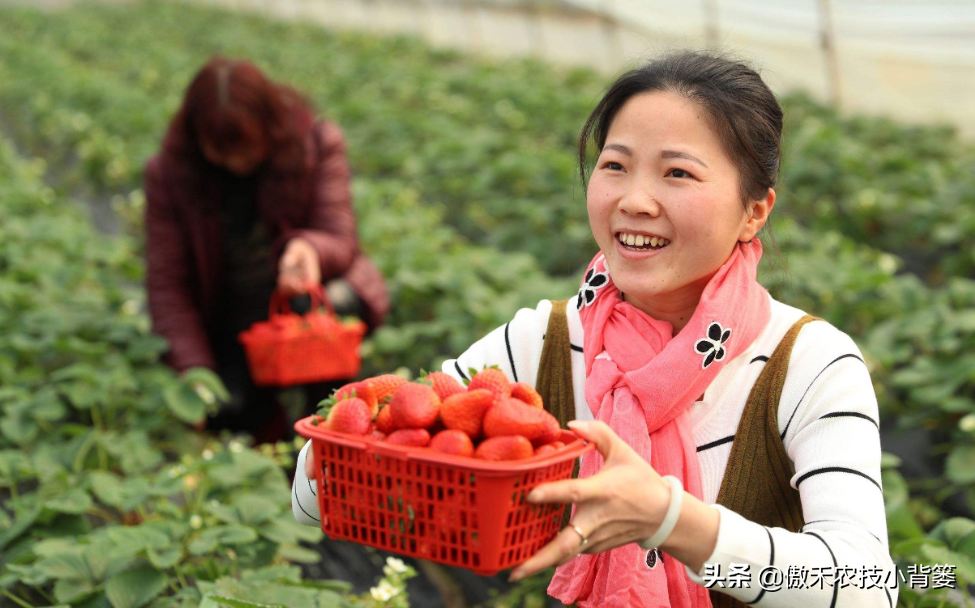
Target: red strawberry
<point>558,445</point>
<point>494,380</point>
<point>349,416</point>
<point>514,417</point>
<point>452,442</point>
<point>414,437</point>
<point>381,436</point>
<point>444,385</point>
<point>362,391</point>
<point>414,406</point>
<point>384,386</point>
<point>508,447</point>
<point>465,411</point>
<point>527,393</point>
<point>384,422</point>
<point>544,449</point>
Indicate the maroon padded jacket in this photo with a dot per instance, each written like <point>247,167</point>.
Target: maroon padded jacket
<point>183,239</point>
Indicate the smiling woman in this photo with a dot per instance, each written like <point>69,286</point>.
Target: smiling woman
<point>777,466</point>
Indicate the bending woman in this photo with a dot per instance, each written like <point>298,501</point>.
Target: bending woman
<point>249,193</point>
<point>667,339</point>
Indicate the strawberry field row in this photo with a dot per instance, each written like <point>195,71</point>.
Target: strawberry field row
<point>467,200</point>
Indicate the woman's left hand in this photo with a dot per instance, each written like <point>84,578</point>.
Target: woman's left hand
<point>624,502</point>
<point>299,267</point>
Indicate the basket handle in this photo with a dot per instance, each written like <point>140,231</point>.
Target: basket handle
<point>280,303</point>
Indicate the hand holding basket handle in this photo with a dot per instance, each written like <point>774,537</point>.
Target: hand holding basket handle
<point>299,267</point>
<point>281,301</point>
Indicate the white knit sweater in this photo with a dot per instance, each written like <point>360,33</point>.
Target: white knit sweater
<point>828,418</point>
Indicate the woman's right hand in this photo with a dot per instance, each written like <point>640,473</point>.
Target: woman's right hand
<point>309,465</point>
<point>299,267</point>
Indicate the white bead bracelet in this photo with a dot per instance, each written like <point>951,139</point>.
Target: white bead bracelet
<point>670,519</point>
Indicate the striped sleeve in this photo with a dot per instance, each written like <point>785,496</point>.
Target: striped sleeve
<point>304,502</point>
<point>515,347</point>
<point>828,419</point>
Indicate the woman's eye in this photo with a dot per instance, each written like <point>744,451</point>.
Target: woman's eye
<point>614,166</point>
<point>680,173</point>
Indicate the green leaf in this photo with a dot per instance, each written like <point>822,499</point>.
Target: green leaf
<point>209,379</point>
<point>224,513</point>
<point>327,585</point>
<point>297,554</point>
<point>960,465</point>
<point>135,588</point>
<point>138,538</point>
<point>952,530</point>
<point>134,450</point>
<point>901,521</point>
<point>124,494</point>
<point>285,530</point>
<point>74,500</point>
<point>939,554</point>
<point>202,545</point>
<point>214,601</point>
<point>966,546</point>
<point>933,395</point>
<point>889,461</point>
<point>107,487</point>
<point>21,523</point>
<point>71,566</point>
<point>255,509</point>
<point>165,558</point>
<point>234,535</point>
<point>272,574</point>
<point>19,429</point>
<point>210,539</point>
<point>184,402</point>
<point>73,590</point>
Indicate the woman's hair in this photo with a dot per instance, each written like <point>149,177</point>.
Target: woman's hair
<point>739,107</point>
<point>231,101</point>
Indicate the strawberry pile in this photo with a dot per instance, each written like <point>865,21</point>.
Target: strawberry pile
<point>489,419</point>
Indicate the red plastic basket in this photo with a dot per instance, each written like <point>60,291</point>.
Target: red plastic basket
<point>425,504</point>
<point>290,349</point>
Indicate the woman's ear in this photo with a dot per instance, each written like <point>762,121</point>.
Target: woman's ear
<point>758,214</point>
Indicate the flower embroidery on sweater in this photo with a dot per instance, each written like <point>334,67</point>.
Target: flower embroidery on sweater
<point>594,281</point>
<point>654,557</point>
<point>712,347</point>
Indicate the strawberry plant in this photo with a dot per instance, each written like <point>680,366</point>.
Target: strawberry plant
<point>106,497</point>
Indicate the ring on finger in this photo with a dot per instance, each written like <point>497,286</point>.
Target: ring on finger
<point>583,539</point>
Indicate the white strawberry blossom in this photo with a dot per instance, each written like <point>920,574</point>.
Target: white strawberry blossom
<point>888,264</point>
<point>394,566</point>
<point>384,591</point>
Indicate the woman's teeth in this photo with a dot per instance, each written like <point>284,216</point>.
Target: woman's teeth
<point>638,241</point>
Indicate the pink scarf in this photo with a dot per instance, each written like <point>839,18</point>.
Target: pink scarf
<point>640,380</point>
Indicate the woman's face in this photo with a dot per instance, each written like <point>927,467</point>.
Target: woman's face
<point>240,159</point>
<point>663,172</point>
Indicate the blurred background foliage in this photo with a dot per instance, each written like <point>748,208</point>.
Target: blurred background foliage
<point>468,199</point>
